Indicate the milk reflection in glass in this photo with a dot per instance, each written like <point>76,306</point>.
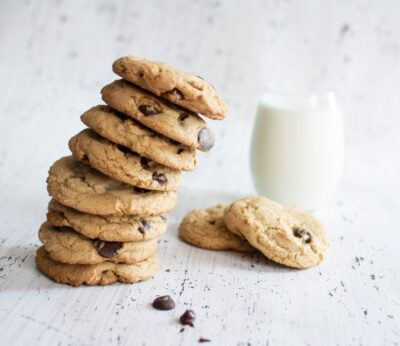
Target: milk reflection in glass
<point>297,148</point>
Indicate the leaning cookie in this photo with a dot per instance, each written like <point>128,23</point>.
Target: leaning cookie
<point>77,185</point>
<point>123,130</point>
<point>182,88</point>
<point>205,228</point>
<point>122,164</point>
<point>163,117</point>
<point>124,228</point>
<point>284,235</point>
<point>65,245</point>
<point>105,273</point>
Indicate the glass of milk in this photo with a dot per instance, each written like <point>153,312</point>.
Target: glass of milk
<point>297,148</point>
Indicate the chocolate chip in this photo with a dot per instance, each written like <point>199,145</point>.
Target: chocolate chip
<point>188,318</point>
<point>139,190</point>
<point>141,74</point>
<point>160,178</point>
<point>108,249</point>
<point>204,340</point>
<point>144,162</point>
<point>212,222</point>
<point>174,94</point>
<point>85,158</point>
<point>182,117</point>
<point>303,234</point>
<point>149,110</point>
<point>163,303</point>
<point>63,229</point>
<point>145,226</point>
<point>206,138</point>
<point>180,150</point>
<point>123,149</point>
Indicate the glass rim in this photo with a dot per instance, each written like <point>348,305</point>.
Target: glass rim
<point>305,96</point>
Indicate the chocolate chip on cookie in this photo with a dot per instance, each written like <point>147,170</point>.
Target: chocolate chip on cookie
<point>145,226</point>
<point>160,178</point>
<point>108,249</point>
<point>149,110</point>
<point>206,139</point>
<point>303,234</point>
<point>173,95</point>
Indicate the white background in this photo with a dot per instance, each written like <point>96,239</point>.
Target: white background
<point>54,58</point>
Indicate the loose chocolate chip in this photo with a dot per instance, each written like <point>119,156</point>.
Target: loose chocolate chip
<point>206,138</point>
<point>149,110</point>
<point>303,234</point>
<point>144,162</point>
<point>204,340</point>
<point>160,178</point>
<point>123,149</point>
<point>163,303</point>
<point>182,117</point>
<point>174,94</point>
<point>139,190</point>
<point>180,150</point>
<point>63,229</point>
<point>188,318</point>
<point>108,249</point>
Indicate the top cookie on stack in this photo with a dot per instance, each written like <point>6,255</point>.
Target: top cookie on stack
<point>187,90</point>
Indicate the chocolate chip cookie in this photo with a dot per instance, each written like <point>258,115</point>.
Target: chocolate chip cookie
<point>283,234</point>
<point>124,228</point>
<point>77,185</point>
<point>65,245</point>
<point>185,89</point>
<point>122,164</point>
<point>125,131</point>
<point>104,273</point>
<point>163,117</point>
<point>205,228</point>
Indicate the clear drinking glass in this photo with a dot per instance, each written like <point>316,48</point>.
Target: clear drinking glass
<point>297,148</point>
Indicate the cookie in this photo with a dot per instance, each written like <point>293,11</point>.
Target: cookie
<point>105,273</point>
<point>120,129</point>
<point>77,185</point>
<point>65,245</point>
<point>124,228</point>
<point>163,117</point>
<point>205,228</point>
<point>122,164</point>
<point>185,89</point>
<point>283,234</point>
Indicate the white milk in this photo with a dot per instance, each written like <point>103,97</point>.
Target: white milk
<point>297,149</point>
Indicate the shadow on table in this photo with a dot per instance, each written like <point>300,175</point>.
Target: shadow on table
<point>227,259</point>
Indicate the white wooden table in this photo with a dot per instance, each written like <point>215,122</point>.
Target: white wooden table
<point>54,58</point>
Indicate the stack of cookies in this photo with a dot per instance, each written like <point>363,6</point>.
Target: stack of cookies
<point>111,197</point>
<point>283,234</point>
